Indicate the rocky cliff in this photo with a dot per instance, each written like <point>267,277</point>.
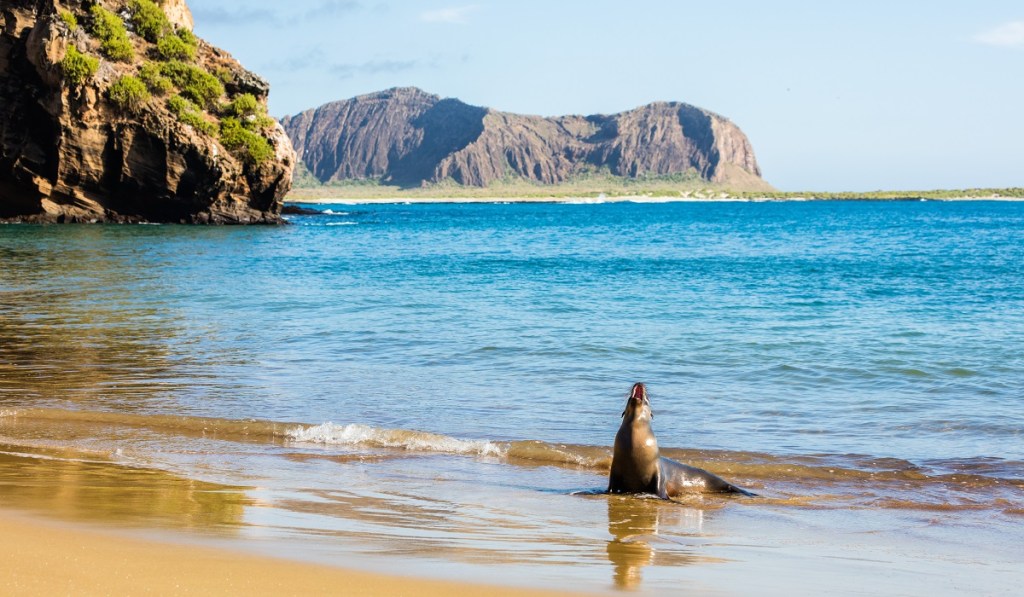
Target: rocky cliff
<point>407,137</point>
<point>111,110</point>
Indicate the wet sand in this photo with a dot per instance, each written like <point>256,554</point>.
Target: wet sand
<point>46,558</point>
<point>99,527</point>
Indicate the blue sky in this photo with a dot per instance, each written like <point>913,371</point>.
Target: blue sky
<point>834,95</point>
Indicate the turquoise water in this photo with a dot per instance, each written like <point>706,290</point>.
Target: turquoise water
<point>890,329</point>
<point>865,337</point>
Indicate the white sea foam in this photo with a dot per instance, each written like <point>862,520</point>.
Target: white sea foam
<point>39,456</point>
<point>585,200</point>
<point>364,435</point>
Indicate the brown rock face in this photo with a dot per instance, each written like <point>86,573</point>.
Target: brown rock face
<point>68,153</point>
<point>407,137</point>
<point>178,13</point>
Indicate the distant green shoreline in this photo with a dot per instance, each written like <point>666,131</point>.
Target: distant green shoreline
<point>372,193</point>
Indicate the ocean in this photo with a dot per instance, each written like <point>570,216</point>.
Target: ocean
<point>435,388</point>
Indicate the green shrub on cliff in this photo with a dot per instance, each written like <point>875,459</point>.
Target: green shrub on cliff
<point>249,111</point>
<point>224,74</point>
<point>253,148</point>
<point>129,93</point>
<point>109,28</point>
<point>188,37</point>
<point>179,105</point>
<point>154,80</point>
<point>77,67</point>
<point>243,105</point>
<point>151,23</point>
<point>69,19</point>
<point>195,83</point>
<point>171,47</point>
<point>189,114</point>
<point>149,20</point>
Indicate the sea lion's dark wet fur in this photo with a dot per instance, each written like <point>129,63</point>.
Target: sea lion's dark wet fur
<point>637,466</point>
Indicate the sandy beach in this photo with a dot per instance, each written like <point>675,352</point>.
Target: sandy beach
<point>42,557</point>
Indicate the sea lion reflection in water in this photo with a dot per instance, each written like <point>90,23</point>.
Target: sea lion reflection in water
<point>637,467</point>
<point>652,533</point>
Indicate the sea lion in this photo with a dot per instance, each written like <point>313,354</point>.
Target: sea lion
<point>637,467</point>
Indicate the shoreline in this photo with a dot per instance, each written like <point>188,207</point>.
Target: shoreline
<point>47,557</point>
<point>616,199</point>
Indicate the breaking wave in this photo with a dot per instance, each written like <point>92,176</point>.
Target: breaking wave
<point>355,434</point>
<point>880,482</point>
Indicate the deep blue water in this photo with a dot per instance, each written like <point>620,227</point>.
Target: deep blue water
<point>885,329</point>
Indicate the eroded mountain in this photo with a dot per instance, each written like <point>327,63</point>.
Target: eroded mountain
<point>407,137</point>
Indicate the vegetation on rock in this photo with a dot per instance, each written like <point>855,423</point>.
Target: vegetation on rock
<point>149,20</point>
<point>188,37</point>
<point>168,164</point>
<point>253,147</point>
<point>245,120</point>
<point>78,67</point>
<point>188,113</point>
<point>249,111</point>
<point>195,83</point>
<point>109,29</point>
<point>243,106</point>
<point>69,19</point>
<point>129,93</point>
<point>225,75</point>
<point>154,79</point>
<point>172,47</point>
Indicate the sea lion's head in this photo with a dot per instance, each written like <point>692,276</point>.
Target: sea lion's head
<point>638,406</point>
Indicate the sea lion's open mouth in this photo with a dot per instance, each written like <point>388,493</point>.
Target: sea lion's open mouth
<point>639,393</point>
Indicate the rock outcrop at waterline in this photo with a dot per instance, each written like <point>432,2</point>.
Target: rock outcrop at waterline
<point>111,110</point>
<point>407,137</point>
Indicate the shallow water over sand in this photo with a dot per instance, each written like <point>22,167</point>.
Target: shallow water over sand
<point>433,509</point>
<point>435,389</point>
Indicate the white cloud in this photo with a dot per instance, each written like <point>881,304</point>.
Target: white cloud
<point>453,14</point>
<point>1007,35</point>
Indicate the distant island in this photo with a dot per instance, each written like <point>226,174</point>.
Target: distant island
<point>406,142</point>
